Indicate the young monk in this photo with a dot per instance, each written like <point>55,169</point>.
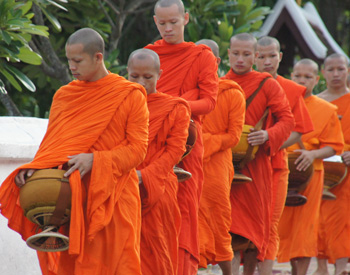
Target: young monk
<point>222,129</point>
<point>98,127</point>
<point>168,130</point>
<point>334,230</point>
<point>190,72</point>
<point>251,202</point>
<point>298,226</point>
<point>268,60</point>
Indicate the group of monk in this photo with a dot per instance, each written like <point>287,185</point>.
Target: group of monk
<point>119,141</point>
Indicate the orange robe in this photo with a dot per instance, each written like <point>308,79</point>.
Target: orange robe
<point>303,124</point>
<point>334,230</point>
<point>221,131</point>
<point>168,130</point>
<point>251,202</point>
<point>298,225</point>
<point>189,71</point>
<point>108,118</point>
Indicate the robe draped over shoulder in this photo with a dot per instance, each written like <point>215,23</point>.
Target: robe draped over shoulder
<point>222,129</point>
<point>161,220</point>
<point>251,202</point>
<point>108,118</point>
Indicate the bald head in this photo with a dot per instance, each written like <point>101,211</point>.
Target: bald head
<point>336,56</point>
<point>169,3</point>
<point>211,44</point>
<point>267,41</point>
<point>246,37</point>
<point>308,62</point>
<point>91,40</point>
<point>143,54</point>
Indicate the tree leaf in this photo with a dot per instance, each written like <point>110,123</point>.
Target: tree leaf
<point>28,56</point>
<point>56,24</point>
<point>22,78</point>
<point>11,79</point>
<point>57,5</point>
<point>6,37</point>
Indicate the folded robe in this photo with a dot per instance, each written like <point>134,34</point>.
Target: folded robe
<point>251,202</point>
<point>222,129</point>
<point>108,117</point>
<point>168,130</point>
<point>303,124</point>
<point>334,230</point>
<point>189,71</point>
<point>298,226</point>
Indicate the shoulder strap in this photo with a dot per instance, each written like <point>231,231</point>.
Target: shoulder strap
<point>250,99</point>
<point>249,154</point>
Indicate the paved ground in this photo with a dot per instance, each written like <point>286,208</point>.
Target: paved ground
<point>279,269</point>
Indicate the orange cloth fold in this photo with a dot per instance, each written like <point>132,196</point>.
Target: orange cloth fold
<point>168,130</point>
<point>303,124</point>
<point>298,226</point>
<point>251,202</point>
<point>222,129</point>
<point>109,118</point>
<point>334,230</point>
<point>189,71</point>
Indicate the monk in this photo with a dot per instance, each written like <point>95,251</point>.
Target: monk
<point>334,230</point>
<point>222,129</point>
<point>251,202</point>
<point>168,130</point>
<point>298,226</point>
<point>268,60</point>
<point>98,129</point>
<point>190,72</point>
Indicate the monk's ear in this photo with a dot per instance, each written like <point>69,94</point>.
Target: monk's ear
<point>155,19</point>
<point>159,74</point>
<point>187,18</point>
<point>281,55</point>
<point>218,60</point>
<point>99,57</point>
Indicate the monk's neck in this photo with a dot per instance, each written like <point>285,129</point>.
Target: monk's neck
<point>308,94</point>
<point>99,75</point>
<point>331,94</point>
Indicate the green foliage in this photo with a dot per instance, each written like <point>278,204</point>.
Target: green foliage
<point>220,20</point>
<point>16,30</point>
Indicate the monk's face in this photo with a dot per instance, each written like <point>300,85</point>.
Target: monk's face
<point>171,23</point>
<point>305,75</point>
<point>82,65</point>
<point>241,55</point>
<point>268,59</point>
<point>336,72</point>
<point>144,72</point>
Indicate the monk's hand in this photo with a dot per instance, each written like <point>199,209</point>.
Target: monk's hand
<point>82,162</point>
<point>257,137</point>
<point>346,158</point>
<point>139,176</point>
<point>305,159</point>
<point>20,178</point>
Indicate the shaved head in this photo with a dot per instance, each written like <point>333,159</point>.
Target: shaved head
<point>244,37</point>
<point>308,62</point>
<point>91,40</point>
<point>268,40</point>
<point>336,55</point>
<point>211,44</point>
<point>142,54</point>
<point>169,3</point>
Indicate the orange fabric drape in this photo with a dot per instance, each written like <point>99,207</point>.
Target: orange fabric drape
<point>251,202</point>
<point>189,71</point>
<point>108,117</point>
<point>221,131</point>
<point>161,220</point>
<point>298,226</point>
<point>334,231</point>
<point>303,124</point>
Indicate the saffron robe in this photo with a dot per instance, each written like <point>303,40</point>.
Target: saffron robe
<point>161,219</point>
<point>298,226</point>
<point>108,118</point>
<point>303,124</point>
<point>222,130</point>
<point>251,202</point>
<point>190,72</point>
<point>334,230</point>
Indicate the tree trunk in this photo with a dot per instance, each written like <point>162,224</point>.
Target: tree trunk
<point>11,107</point>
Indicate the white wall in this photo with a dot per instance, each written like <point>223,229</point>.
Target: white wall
<point>19,140</point>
